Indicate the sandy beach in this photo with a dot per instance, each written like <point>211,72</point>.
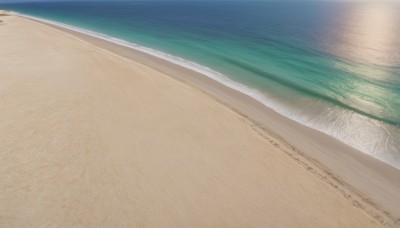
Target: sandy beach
<point>95,135</point>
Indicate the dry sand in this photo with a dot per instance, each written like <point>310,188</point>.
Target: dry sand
<point>92,139</point>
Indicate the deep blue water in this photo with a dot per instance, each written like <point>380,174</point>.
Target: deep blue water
<point>329,65</point>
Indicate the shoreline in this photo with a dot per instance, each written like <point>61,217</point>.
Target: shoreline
<point>376,183</point>
<point>219,78</point>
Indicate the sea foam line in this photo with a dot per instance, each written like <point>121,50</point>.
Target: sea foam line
<point>214,75</point>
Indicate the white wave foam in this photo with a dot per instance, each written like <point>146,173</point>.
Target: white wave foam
<point>217,76</point>
<point>263,98</point>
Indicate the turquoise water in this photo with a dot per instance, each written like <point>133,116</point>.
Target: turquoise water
<point>331,66</point>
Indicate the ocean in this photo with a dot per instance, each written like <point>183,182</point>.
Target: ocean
<point>332,66</point>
